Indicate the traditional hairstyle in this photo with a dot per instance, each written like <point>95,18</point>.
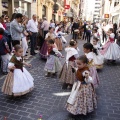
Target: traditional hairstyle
<point>17,47</point>
<point>111,29</point>
<point>84,59</point>
<point>95,29</point>
<point>96,39</point>
<point>50,28</point>
<point>51,41</point>
<point>90,47</point>
<point>72,42</point>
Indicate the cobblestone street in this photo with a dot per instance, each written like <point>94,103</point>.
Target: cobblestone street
<point>48,99</point>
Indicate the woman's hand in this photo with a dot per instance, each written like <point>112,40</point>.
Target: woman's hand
<point>86,75</point>
<point>29,65</point>
<point>12,68</point>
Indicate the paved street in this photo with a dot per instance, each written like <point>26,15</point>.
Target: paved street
<point>48,99</point>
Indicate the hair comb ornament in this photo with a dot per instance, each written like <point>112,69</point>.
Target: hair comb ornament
<point>40,117</point>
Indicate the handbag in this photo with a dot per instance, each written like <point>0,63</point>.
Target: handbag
<point>74,92</point>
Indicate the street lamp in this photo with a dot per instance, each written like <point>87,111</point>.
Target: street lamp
<point>55,8</point>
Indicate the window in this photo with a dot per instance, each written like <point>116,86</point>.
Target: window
<point>43,11</point>
<point>97,3</point>
<point>116,3</point>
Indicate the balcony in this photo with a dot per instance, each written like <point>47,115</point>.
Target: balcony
<point>76,2</point>
<point>60,3</point>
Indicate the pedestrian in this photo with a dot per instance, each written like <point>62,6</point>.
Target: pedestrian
<point>52,24</point>
<point>24,36</point>
<point>58,41</point>
<point>4,52</point>
<point>67,76</point>
<point>84,29</point>
<point>32,27</point>
<point>45,26</point>
<point>115,30</point>
<point>8,29</point>
<point>18,81</point>
<point>60,35</point>
<point>90,52</point>
<point>75,29</point>
<point>98,58</point>
<point>88,31</point>
<point>104,37</point>
<point>40,36</point>
<point>83,98</point>
<point>16,29</point>
<point>118,35</point>
<point>96,35</point>
<point>53,65</point>
<point>1,25</point>
<point>44,48</point>
<point>111,49</point>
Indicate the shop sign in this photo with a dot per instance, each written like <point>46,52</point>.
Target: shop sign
<point>106,15</point>
<point>67,6</point>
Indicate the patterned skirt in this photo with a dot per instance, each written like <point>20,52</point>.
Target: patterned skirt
<point>66,74</point>
<point>58,43</point>
<point>86,101</point>
<point>94,75</point>
<point>53,64</point>
<point>18,83</point>
<point>7,87</point>
<point>43,50</point>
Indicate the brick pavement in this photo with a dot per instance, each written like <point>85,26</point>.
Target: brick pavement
<point>48,99</point>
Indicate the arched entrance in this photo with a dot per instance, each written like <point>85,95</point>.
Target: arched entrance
<point>44,11</point>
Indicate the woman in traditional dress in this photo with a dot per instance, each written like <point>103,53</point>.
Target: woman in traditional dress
<point>58,40</point>
<point>67,76</point>
<point>90,54</point>
<point>53,64</point>
<point>98,58</point>
<point>111,49</point>
<point>60,35</point>
<point>18,81</point>
<point>49,35</point>
<point>85,100</point>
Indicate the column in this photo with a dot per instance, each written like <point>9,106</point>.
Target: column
<point>29,10</point>
<point>20,6</point>
<point>49,12</point>
<point>10,7</point>
<point>39,9</point>
<point>0,7</point>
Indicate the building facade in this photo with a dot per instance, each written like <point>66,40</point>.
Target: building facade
<point>96,14</point>
<point>115,11</point>
<point>45,9</point>
<point>112,9</point>
<point>26,7</point>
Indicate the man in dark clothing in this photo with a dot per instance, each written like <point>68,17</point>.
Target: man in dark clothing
<point>75,29</point>
<point>84,27</point>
